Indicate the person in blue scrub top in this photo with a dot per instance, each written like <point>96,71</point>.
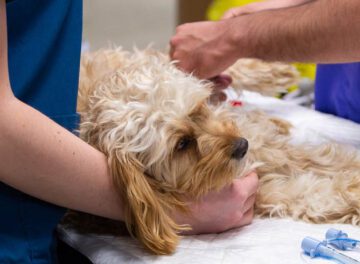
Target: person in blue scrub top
<point>321,31</point>
<point>44,167</point>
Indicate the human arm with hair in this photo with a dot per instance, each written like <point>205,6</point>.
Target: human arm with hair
<point>322,31</point>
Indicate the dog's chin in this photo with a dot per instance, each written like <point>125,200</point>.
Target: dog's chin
<point>216,177</point>
<point>243,167</point>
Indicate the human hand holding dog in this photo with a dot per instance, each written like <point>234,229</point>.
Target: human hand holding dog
<point>229,208</point>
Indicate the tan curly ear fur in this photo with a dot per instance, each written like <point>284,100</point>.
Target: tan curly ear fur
<point>146,213</point>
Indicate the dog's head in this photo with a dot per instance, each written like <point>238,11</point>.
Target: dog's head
<point>201,151</point>
<point>164,142</point>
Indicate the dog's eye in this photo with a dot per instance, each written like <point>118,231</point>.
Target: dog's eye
<point>183,143</point>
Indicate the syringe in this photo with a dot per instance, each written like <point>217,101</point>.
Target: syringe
<point>316,248</point>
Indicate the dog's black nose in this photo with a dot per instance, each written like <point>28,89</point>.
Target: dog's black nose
<point>240,148</point>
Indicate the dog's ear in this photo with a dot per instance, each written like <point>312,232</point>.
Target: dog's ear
<point>146,213</point>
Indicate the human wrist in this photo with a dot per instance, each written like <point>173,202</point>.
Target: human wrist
<point>238,37</point>
<point>261,35</point>
<point>232,37</point>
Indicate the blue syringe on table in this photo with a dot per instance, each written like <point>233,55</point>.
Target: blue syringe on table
<point>316,248</point>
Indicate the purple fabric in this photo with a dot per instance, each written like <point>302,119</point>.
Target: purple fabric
<point>337,90</point>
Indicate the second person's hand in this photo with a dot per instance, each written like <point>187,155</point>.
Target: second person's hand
<point>204,48</point>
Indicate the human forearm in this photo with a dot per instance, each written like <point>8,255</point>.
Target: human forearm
<point>323,31</point>
<point>42,159</point>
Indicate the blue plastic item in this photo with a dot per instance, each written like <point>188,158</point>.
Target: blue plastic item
<point>340,240</point>
<point>315,248</point>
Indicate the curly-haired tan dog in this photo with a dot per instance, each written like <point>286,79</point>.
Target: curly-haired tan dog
<point>163,140</point>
